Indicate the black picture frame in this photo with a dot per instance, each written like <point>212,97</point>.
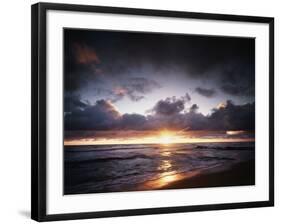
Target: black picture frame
<point>39,122</point>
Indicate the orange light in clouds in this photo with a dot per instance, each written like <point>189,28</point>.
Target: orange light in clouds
<point>235,132</point>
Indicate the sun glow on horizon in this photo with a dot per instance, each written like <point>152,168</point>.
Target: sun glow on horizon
<point>163,137</point>
<point>166,137</point>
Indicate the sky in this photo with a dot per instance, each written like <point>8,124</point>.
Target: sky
<point>121,85</point>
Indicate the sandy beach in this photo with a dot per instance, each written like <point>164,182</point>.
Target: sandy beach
<point>239,174</point>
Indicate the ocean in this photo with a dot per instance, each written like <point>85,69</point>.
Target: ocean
<point>116,168</point>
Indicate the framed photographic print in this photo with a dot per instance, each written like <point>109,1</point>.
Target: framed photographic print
<point>138,111</point>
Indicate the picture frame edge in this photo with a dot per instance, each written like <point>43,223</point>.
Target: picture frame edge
<point>38,111</point>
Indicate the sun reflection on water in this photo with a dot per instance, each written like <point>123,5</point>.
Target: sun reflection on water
<point>165,165</point>
<point>168,172</point>
<point>168,177</point>
<point>165,153</point>
<point>164,179</point>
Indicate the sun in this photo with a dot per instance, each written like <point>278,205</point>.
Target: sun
<point>165,138</point>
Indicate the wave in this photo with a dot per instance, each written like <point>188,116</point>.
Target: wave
<point>209,158</point>
<point>225,148</point>
<point>96,160</point>
<point>108,149</point>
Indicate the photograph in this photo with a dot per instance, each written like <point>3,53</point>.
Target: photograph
<point>157,111</point>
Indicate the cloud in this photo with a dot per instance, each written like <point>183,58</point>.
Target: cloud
<point>170,106</point>
<point>194,108</point>
<point>177,121</point>
<point>227,117</point>
<point>187,97</point>
<point>133,122</point>
<point>85,54</point>
<point>238,78</point>
<point>169,113</point>
<point>141,84</point>
<point>82,65</point>
<point>73,102</point>
<point>205,92</point>
<point>101,116</point>
<point>235,89</point>
<point>117,65</point>
<point>195,121</point>
<point>228,63</point>
<point>134,88</point>
<point>233,117</point>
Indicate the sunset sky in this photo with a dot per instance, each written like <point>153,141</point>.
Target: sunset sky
<point>126,88</point>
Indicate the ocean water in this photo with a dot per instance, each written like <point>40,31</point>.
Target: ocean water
<point>115,168</point>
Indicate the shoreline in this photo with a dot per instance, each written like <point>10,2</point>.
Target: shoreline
<point>240,174</point>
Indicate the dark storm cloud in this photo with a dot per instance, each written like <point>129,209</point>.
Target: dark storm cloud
<point>73,102</point>
<point>178,121</point>
<point>205,92</point>
<point>85,54</point>
<point>133,122</point>
<point>171,105</point>
<point>134,88</point>
<point>194,108</point>
<point>168,113</point>
<point>81,65</point>
<point>106,73</point>
<point>227,117</point>
<point>233,117</point>
<point>238,79</point>
<point>141,85</point>
<point>228,63</point>
<point>101,116</point>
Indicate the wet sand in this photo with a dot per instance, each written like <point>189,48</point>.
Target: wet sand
<point>239,174</point>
